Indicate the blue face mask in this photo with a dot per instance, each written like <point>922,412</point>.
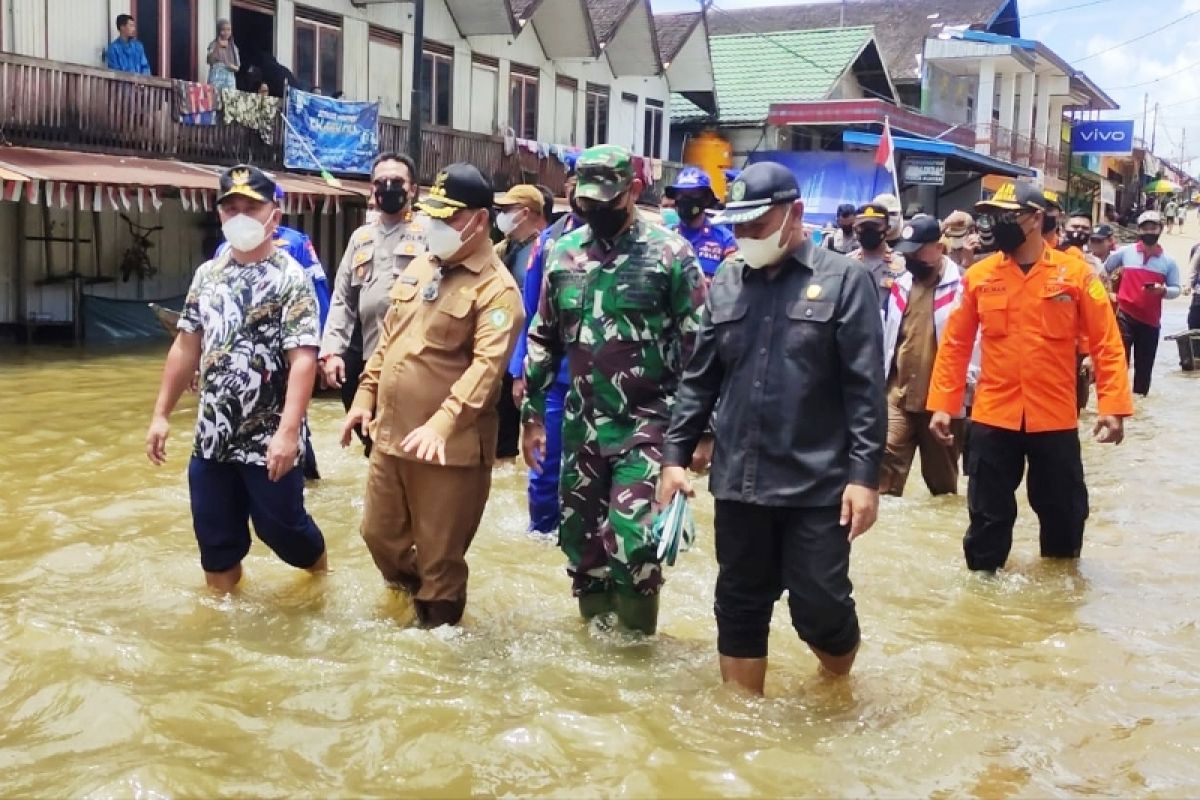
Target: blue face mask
<point>670,217</point>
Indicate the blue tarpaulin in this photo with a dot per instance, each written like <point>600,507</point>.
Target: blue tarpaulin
<point>323,133</point>
<point>827,179</point>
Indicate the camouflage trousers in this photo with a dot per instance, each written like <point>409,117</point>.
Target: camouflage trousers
<point>607,513</point>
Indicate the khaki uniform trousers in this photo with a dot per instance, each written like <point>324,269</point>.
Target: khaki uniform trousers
<point>418,521</point>
<point>908,431</point>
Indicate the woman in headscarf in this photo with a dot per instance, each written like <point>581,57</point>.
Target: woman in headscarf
<point>223,58</point>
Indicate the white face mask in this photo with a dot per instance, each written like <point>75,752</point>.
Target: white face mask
<point>244,233</point>
<point>508,221</point>
<point>442,240</point>
<point>759,253</point>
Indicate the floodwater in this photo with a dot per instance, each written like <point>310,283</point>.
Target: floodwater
<point>120,676</point>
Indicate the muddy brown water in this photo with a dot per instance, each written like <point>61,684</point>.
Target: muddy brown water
<point>120,676</point>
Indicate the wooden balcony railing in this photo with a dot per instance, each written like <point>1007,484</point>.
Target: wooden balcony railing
<point>52,104</point>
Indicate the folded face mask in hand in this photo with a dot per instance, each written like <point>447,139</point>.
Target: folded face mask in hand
<point>673,531</point>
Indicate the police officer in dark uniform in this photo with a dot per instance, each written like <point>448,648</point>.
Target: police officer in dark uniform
<point>786,325</point>
<point>693,196</point>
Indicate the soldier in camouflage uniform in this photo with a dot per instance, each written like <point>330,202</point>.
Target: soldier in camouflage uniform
<point>621,303</point>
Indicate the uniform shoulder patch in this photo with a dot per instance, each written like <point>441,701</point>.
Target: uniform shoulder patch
<point>500,318</point>
<point>1096,289</point>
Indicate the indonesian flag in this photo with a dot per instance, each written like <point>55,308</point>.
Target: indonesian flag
<point>12,191</point>
<point>885,156</point>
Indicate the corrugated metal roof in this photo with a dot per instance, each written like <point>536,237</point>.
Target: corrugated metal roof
<point>72,166</point>
<point>752,71</point>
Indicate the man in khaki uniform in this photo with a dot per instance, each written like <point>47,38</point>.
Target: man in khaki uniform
<point>429,394</point>
<point>378,252</point>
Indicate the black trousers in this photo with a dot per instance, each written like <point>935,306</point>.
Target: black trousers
<point>1194,313</point>
<point>1141,341</point>
<point>763,550</point>
<point>508,440</point>
<point>355,363</point>
<point>1055,485</point>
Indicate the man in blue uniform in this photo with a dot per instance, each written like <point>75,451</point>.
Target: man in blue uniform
<point>543,480</point>
<point>693,195</point>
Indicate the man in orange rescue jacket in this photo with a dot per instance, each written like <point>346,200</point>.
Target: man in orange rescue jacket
<point>1032,304</point>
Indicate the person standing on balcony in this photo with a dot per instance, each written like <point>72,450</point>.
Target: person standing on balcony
<point>1147,277</point>
<point>125,53</point>
<point>224,61</point>
<point>378,252</point>
<point>523,211</point>
<point>874,253</point>
<point>1031,303</point>
<point>693,196</point>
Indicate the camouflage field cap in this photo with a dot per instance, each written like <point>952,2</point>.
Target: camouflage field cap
<point>604,171</point>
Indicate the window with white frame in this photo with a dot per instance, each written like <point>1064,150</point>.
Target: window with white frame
<point>318,56</point>
<point>653,129</point>
<point>523,101</point>
<point>437,83</point>
<point>595,116</point>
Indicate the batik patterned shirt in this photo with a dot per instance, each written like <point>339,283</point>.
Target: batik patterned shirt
<point>249,316</point>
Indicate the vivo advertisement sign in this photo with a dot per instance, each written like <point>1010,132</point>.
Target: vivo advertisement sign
<point>1110,137</point>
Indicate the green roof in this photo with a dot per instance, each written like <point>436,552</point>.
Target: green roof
<point>684,110</point>
<point>753,70</point>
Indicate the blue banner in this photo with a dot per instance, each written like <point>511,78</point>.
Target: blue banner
<point>828,179</point>
<point>335,135</point>
<point>1111,137</point>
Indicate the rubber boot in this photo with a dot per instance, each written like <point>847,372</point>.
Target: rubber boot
<point>594,604</point>
<point>638,612</point>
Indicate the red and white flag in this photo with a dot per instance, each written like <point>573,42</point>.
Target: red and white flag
<point>12,191</point>
<point>885,156</point>
<point>33,191</point>
<point>155,200</point>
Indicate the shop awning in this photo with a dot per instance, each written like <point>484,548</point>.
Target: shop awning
<point>975,162</point>
<point>97,180</point>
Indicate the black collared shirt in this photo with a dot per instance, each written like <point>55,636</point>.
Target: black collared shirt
<point>795,362</point>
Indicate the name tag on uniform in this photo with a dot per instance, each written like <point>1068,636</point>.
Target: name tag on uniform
<point>408,279</point>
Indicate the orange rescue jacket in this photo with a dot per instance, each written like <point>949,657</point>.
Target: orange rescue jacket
<point>1030,325</point>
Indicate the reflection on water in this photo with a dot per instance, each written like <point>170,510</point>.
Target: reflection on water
<point>120,676</point>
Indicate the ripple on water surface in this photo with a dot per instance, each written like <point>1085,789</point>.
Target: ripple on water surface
<point>120,676</point>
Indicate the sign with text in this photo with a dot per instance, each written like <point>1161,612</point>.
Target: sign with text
<point>1110,137</point>
<point>915,171</point>
<point>323,133</point>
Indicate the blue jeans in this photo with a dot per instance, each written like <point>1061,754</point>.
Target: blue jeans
<point>543,483</point>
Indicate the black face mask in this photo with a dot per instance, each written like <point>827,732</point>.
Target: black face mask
<point>1009,235</point>
<point>1148,239</point>
<point>847,230</point>
<point>391,197</point>
<point>920,270</point>
<point>689,210</point>
<point>606,220</point>
<point>575,209</point>
<point>870,238</point>
<point>1077,238</point>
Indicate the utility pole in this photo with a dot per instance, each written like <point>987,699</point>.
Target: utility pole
<point>1145,114</point>
<point>414,113</point>
<point>842,16</point>
<point>1154,130</point>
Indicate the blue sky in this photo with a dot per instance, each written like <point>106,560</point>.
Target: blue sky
<point>1166,65</point>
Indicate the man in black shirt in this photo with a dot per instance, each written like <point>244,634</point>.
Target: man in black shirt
<point>791,344</point>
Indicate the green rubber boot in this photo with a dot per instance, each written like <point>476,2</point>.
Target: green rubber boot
<point>595,604</point>
<point>638,612</point>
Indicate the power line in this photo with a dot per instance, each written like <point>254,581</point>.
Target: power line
<point>1155,80</point>
<point>1119,45</point>
<point>1053,11</point>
